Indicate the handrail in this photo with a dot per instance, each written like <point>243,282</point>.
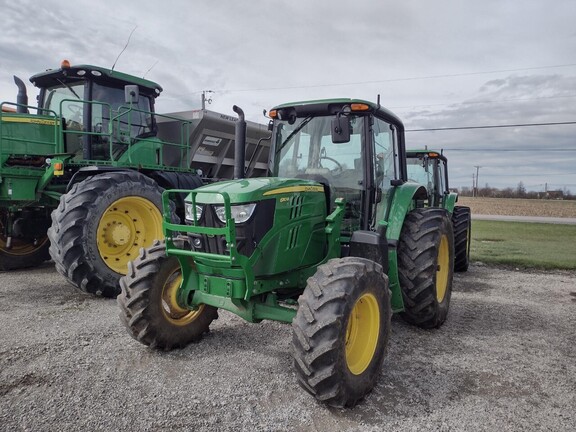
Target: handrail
<point>183,145</point>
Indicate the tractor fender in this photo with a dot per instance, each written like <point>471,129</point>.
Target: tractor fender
<point>404,199</point>
<point>450,201</point>
<point>88,171</point>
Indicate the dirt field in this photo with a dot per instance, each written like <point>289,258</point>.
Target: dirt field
<point>504,361</point>
<point>520,207</point>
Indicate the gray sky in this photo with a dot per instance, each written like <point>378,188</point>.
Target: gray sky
<point>436,64</point>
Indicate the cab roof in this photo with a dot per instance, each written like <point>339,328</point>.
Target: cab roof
<point>422,152</point>
<point>333,106</point>
<point>101,75</point>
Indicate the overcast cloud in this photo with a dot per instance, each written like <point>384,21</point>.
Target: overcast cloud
<point>435,64</point>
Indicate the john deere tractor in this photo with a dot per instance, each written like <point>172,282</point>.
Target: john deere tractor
<point>333,242</point>
<point>82,174</point>
<point>431,169</point>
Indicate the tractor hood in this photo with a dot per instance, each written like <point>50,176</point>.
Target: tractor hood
<point>253,189</point>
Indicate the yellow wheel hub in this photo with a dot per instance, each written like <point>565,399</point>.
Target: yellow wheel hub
<point>362,333</point>
<point>172,311</point>
<point>442,269</point>
<point>127,225</point>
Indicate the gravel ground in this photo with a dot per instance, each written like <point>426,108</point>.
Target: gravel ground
<point>504,360</point>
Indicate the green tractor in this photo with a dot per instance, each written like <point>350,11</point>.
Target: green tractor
<point>430,168</point>
<point>82,174</point>
<point>334,241</point>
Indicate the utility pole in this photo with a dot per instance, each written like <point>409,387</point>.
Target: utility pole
<point>204,100</point>
<point>473,185</point>
<point>477,169</point>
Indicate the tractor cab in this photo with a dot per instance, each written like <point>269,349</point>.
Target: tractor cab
<point>429,168</point>
<point>101,110</point>
<point>352,147</point>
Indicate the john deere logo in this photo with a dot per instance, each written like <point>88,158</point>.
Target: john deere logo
<point>293,189</point>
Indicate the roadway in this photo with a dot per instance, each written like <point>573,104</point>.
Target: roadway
<point>539,219</point>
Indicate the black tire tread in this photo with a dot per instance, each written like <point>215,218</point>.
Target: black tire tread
<point>67,231</point>
<point>417,264</point>
<point>138,313</point>
<point>461,223</point>
<point>317,329</point>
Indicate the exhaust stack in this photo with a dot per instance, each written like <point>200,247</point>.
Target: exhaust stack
<point>21,97</point>
<point>239,144</point>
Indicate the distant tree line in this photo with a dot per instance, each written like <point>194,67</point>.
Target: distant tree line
<point>517,192</point>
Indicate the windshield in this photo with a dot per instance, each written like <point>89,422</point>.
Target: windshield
<point>420,170</point>
<point>66,101</point>
<point>113,108</point>
<point>306,151</point>
<point>109,115</point>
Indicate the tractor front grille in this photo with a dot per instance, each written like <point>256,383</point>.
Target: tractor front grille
<point>248,234</point>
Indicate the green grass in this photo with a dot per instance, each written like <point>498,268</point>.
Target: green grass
<point>536,245</point>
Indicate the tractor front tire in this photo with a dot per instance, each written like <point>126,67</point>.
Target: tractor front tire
<point>341,330</point>
<point>426,266</point>
<point>100,225</point>
<point>461,223</point>
<point>148,306</point>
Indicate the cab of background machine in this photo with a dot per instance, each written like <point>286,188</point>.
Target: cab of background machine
<point>99,115</point>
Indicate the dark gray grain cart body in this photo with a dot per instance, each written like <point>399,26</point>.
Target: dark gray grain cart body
<point>211,140</point>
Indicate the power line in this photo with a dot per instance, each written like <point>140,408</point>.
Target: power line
<point>395,79</point>
<point>490,126</point>
<point>482,102</point>
<point>492,150</point>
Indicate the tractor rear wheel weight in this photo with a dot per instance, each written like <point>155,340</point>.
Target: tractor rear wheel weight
<point>341,330</point>
<point>426,266</point>
<point>22,253</point>
<point>100,225</point>
<point>461,222</point>
<point>148,306</point>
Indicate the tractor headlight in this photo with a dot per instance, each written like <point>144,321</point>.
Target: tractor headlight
<point>190,209</point>
<point>241,213</point>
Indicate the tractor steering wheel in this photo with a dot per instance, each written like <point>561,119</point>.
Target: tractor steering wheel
<point>338,168</point>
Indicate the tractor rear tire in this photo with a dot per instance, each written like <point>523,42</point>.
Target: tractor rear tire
<point>426,266</point>
<point>100,225</point>
<point>341,330</point>
<point>461,223</point>
<point>22,253</point>
<point>148,306</point>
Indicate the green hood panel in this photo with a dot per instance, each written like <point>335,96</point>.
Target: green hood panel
<point>253,189</point>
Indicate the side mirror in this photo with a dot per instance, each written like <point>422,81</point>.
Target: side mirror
<point>340,129</point>
<point>131,94</point>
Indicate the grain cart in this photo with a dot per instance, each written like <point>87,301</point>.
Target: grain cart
<point>88,163</point>
<point>430,168</point>
<point>333,242</point>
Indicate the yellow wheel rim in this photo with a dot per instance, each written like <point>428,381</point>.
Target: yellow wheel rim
<point>442,269</point>
<point>127,225</point>
<point>362,333</point>
<point>172,311</point>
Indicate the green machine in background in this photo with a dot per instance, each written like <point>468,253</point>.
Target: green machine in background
<point>430,168</point>
<point>333,241</point>
<point>82,173</point>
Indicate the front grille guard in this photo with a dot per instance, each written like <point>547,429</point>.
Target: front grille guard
<point>240,266</point>
<point>172,230</point>
<point>233,260</point>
